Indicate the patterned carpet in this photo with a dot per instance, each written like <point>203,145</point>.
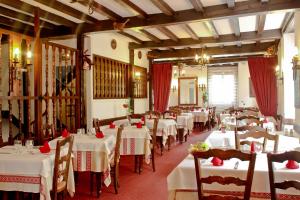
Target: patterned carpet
<point>148,185</point>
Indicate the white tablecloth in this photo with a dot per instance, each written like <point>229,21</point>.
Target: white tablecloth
<point>200,116</point>
<point>92,154</point>
<point>182,180</point>
<point>126,122</point>
<point>135,141</point>
<point>165,128</point>
<point>218,139</point>
<point>29,171</point>
<point>185,121</point>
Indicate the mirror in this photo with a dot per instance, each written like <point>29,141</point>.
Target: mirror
<point>187,91</point>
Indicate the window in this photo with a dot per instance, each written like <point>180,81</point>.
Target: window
<point>222,86</point>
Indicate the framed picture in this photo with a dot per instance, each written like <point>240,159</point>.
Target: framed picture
<point>251,89</point>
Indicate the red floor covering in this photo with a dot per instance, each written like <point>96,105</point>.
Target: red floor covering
<point>148,185</point>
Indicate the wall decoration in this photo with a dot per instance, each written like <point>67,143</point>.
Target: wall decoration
<point>139,54</point>
<point>113,44</point>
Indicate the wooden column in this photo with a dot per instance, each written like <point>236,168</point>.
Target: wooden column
<point>1,139</point>
<point>131,79</point>
<point>79,53</point>
<point>150,84</point>
<point>37,61</point>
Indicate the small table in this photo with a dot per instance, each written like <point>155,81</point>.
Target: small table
<point>28,170</point>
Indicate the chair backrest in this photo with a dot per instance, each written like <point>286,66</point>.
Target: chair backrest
<point>249,119</point>
<point>118,144</point>
<point>257,134</point>
<point>224,155</point>
<point>48,131</point>
<point>155,113</point>
<point>170,114</point>
<point>291,155</point>
<point>154,132</point>
<point>96,124</point>
<point>62,165</point>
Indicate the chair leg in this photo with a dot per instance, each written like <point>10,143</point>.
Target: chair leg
<point>116,180</point>
<point>91,182</point>
<point>140,163</point>
<point>98,182</point>
<point>153,159</point>
<point>135,164</point>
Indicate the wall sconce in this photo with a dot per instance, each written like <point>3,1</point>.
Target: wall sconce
<point>278,73</point>
<point>202,87</point>
<point>296,66</point>
<point>16,55</point>
<point>175,73</point>
<point>174,88</point>
<point>137,75</point>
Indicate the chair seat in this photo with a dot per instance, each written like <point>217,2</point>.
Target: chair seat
<point>61,186</point>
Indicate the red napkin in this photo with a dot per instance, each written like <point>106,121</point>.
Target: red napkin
<point>291,164</point>
<point>100,134</point>
<point>112,125</point>
<point>217,161</point>
<point>252,147</point>
<point>143,119</point>
<point>65,133</point>
<point>45,148</point>
<point>139,125</point>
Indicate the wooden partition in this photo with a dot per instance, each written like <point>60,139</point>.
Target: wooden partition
<point>110,78</point>
<point>140,82</point>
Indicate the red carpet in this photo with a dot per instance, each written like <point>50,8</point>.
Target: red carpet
<point>148,185</point>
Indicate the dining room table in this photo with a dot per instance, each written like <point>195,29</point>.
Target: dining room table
<point>200,116</point>
<point>182,180</point>
<point>28,170</point>
<point>185,121</point>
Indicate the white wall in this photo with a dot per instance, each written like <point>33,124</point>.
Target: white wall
<point>243,86</point>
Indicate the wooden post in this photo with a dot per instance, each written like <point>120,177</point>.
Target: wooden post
<point>1,139</point>
<point>150,84</point>
<point>131,79</point>
<point>37,61</point>
<point>80,46</point>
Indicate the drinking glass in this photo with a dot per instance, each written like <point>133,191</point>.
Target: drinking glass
<point>29,144</point>
<point>82,131</point>
<point>78,131</point>
<point>18,145</point>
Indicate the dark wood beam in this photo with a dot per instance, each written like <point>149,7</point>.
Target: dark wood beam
<point>130,36</point>
<point>67,10</point>
<point>244,8</point>
<point>16,25</point>
<point>247,48</point>
<point>24,17</point>
<point>211,27</point>
<point>261,19</point>
<point>235,26</point>
<point>286,21</point>
<point>25,7</point>
<point>168,33</point>
<point>197,4</point>
<point>230,3</point>
<point>190,31</point>
<point>245,36</point>
<point>163,6</point>
<point>102,10</point>
<point>150,36</point>
<point>133,8</point>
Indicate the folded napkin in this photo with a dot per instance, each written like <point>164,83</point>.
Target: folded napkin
<point>112,125</point>
<point>100,134</point>
<point>45,148</point>
<point>139,125</point>
<point>217,161</point>
<point>252,147</point>
<point>65,133</point>
<point>291,164</point>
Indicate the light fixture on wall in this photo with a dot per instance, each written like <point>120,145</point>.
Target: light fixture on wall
<point>202,87</point>
<point>16,67</point>
<point>203,59</point>
<point>279,74</point>
<point>296,66</point>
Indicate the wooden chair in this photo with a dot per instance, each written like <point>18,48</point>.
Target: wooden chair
<point>156,114</point>
<point>96,124</point>
<point>61,167</point>
<point>114,167</point>
<point>249,119</point>
<point>170,114</point>
<point>224,155</point>
<point>257,134</point>
<point>137,116</point>
<point>49,132</point>
<point>153,143</point>
<point>291,155</point>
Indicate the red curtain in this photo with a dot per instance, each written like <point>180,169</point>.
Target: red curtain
<point>162,76</point>
<point>262,74</point>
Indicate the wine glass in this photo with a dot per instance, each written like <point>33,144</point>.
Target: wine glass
<point>29,144</point>
<point>18,145</point>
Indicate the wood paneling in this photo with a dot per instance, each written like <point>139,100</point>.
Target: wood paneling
<point>110,78</point>
<point>140,82</point>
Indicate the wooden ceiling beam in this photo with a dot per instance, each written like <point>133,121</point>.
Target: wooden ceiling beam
<point>130,36</point>
<point>197,4</point>
<point>261,20</point>
<point>61,7</point>
<point>23,17</point>
<point>150,36</point>
<point>235,26</point>
<point>244,8</point>
<point>245,36</point>
<point>133,8</point>
<point>247,48</point>
<point>190,31</point>
<point>16,26</point>
<point>102,10</point>
<point>25,7</point>
<point>286,21</point>
<point>164,7</point>
<point>168,33</point>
